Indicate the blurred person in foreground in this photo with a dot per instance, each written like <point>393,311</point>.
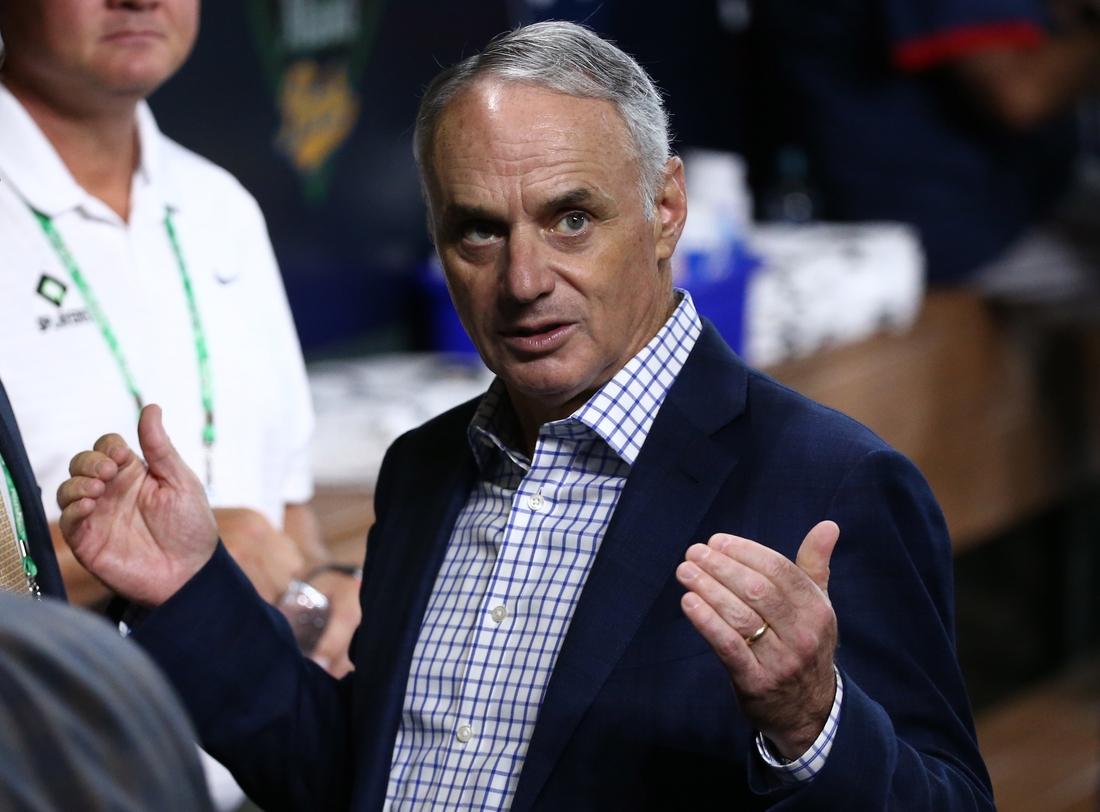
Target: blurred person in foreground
<point>133,271</point>
<point>87,721</point>
<point>952,115</point>
<point>537,638</point>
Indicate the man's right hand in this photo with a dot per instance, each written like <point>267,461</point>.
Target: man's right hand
<point>144,529</point>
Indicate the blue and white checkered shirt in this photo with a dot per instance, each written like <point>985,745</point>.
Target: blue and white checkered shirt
<point>514,569</point>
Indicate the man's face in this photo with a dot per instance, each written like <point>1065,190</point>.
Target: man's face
<point>114,47</point>
<point>555,270</point>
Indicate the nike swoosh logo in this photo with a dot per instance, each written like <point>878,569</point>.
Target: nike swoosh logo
<point>226,280</point>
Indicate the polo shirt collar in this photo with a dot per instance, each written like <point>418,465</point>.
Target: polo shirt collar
<point>29,162</point>
<point>154,167</point>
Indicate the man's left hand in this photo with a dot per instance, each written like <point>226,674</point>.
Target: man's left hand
<point>784,680</point>
<point>342,591</point>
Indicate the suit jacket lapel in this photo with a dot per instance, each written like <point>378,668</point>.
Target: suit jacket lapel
<point>677,476</point>
<point>38,529</point>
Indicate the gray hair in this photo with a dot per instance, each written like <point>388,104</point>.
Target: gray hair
<point>570,59</point>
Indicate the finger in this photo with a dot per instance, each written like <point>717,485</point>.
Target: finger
<point>93,464</point>
<point>755,588</point>
<point>727,643</point>
<point>77,488</point>
<point>113,446</point>
<point>734,611</point>
<point>160,455</point>
<point>342,591</point>
<point>331,652</point>
<point>327,649</point>
<point>72,516</point>
<point>816,551</point>
<point>764,566</point>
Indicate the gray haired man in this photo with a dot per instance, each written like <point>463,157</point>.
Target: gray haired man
<point>559,615</point>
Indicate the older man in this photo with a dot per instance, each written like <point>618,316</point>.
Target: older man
<point>536,638</point>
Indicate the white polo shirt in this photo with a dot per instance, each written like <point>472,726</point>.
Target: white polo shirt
<point>63,381</point>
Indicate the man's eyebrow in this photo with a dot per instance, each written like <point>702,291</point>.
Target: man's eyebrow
<point>572,198</point>
<point>461,213</point>
<point>464,213</point>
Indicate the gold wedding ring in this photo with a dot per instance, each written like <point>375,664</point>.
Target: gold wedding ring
<point>756,635</point>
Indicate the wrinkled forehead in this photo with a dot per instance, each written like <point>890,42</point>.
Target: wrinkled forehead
<point>503,128</point>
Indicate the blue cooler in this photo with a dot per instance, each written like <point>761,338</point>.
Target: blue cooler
<point>720,295</point>
<point>448,334</point>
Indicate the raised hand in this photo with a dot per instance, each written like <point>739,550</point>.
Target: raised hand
<point>783,676</point>
<point>143,528</point>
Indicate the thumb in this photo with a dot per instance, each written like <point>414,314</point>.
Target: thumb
<point>815,552</point>
<point>160,455</point>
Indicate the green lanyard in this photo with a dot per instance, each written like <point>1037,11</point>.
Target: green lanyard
<point>29,569</point>
<point>206,379</point>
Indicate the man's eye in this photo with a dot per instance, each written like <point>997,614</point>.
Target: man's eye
<point>478,234</point>
<point>571,223</point>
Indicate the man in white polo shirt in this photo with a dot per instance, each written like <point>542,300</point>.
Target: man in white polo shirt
<point>134,271</point>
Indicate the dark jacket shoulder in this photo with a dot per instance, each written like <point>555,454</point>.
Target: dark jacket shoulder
<point>440,441</point>
<point>734,402</point>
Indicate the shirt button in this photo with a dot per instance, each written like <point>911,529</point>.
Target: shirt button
<point>535,501</point>
<point>464,733</point>
<point>499,614</point>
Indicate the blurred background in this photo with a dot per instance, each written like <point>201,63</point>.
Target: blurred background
<point>893,210</point>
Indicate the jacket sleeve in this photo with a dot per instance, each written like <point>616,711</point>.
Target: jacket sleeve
<point>905,740</point>
<point>275,718</point>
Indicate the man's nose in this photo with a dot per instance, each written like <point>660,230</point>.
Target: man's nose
<point>527,274</point>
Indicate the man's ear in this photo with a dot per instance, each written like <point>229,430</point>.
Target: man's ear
<point>671,210</point>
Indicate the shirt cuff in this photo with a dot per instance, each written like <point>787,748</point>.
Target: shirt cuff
<point>809,764</point>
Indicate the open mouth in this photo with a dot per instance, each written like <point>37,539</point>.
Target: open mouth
<point>539,337</point>
<point>540,330</point>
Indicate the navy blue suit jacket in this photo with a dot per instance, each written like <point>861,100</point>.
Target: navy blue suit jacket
<point>639,713</point>
<point>38,530</point>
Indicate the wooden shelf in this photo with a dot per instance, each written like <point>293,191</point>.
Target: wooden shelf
<point>345,515</point>
<point>960,395</point>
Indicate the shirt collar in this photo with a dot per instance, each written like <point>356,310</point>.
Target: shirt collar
<point>495,430</point>
<point>154,169</point>
<point>621,412</point>
<point>29,162</point>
